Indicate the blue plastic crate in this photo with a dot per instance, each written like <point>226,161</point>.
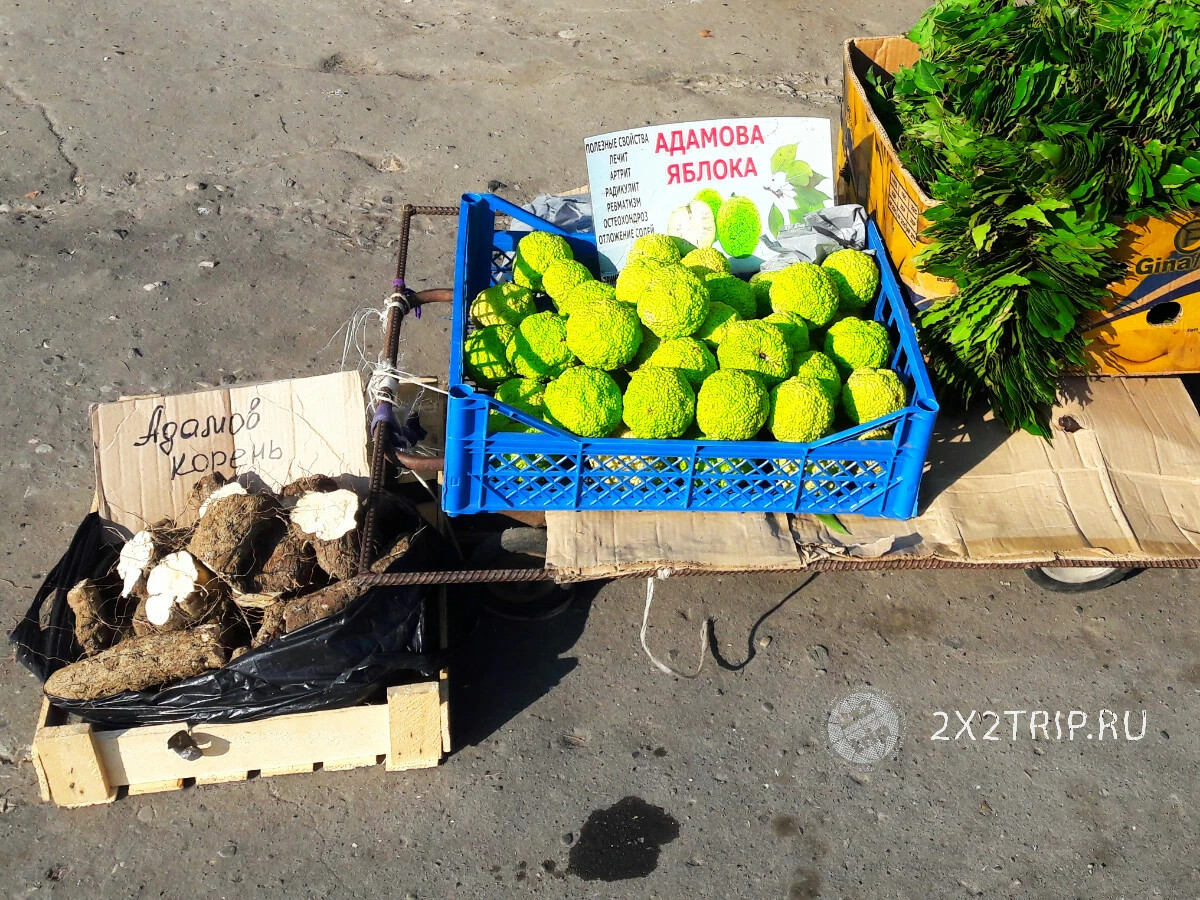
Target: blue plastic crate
<point>553,469</point>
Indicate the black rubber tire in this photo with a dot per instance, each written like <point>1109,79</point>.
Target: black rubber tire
<point>524,601</point>
<point>1104,578</point>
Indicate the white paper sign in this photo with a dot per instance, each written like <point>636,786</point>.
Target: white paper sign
<point>648,179</point>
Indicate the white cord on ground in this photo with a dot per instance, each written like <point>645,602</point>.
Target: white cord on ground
<point>662,666</point>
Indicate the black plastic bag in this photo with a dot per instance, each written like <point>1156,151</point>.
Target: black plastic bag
<point>44,649</point>
<point>381,638</point>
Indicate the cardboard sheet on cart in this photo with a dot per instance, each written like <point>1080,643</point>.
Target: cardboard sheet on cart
<point>1120,482</point>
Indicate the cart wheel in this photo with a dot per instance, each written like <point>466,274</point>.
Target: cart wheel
<point>1078,579</point>
<point>531,601</point>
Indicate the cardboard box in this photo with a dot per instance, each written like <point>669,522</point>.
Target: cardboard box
<point>1152,323</point>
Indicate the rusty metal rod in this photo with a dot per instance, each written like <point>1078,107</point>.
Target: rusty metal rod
<point>433,295</point>
<point>422,465</point>
<point>401,301</point>
<point>498,576</point>
<point>367,542</point>
<point>460,576</point>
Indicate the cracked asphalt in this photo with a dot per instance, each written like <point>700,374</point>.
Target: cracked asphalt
<point>276,141</point>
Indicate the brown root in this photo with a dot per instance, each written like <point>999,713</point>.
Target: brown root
<point>140,663</point>
<point>198,494</point>
<point>338,558</point>
<point>318,605</point>
<point>272,624</point>
<point>257,602</point>
<point>321,484</point>
<point>143,626</point>
<point>140,624</point>
<point>236,630</point>
<point>288,561</point>
<point>93,631</point>
<point>186,595</point>
<point>169,537</point>
<point>224,538</point>
<point>393,554</point>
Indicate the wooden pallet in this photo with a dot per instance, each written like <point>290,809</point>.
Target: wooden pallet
<point>79,766</point>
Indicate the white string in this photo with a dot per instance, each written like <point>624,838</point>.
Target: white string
<point>355,343</point>
<point>429,489</point>
<point>383,380</point>
<point>662,666</point>
<point>382,377</point>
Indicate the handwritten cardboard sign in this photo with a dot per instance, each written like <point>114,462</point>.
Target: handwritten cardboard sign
<point>150,450</point>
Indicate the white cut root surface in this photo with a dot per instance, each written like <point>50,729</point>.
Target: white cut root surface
<point>134,560</point>
<point>226,490</point>
<point>158,609</point>
<point>326,516</point>
<point>176,578</point>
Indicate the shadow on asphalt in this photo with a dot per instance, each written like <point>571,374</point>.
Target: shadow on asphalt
<point>500,665</point>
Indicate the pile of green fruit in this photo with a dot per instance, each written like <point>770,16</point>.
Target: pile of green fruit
<point>1039,127</point>
<point>681,348</point>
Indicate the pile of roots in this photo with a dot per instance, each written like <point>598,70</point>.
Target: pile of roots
<point>234,571</point>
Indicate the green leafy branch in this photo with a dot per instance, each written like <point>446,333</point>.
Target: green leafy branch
<point>1040,128</point>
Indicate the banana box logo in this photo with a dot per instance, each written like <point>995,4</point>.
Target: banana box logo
<point>1187,238</point>
<point>1153,323</point>
<point>1159,279</point>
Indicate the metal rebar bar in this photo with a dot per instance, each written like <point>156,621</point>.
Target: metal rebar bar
<point>498,576</point>
<point>401,301</point>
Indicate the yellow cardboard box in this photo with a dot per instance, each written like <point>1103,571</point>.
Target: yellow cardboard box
<point>1152,323</point>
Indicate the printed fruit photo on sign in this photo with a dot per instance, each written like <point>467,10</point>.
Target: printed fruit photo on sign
<point>738,226</point>
<point>696,223</point>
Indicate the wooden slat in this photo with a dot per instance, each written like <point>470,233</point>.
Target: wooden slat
<point>77,766</point>
<point>347,764</point>
<point>50,715</point>
<point>293,743</point>
<point>302,769</point>
<point>444,704</point>
<point>43,720</point>
<point>156,787</point>
<point>444,674</point>
<point>223,779</point>
<point>68,760</point>
<point>415,726</point>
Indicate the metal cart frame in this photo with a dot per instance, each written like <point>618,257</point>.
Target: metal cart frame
<point>1067,575</point>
